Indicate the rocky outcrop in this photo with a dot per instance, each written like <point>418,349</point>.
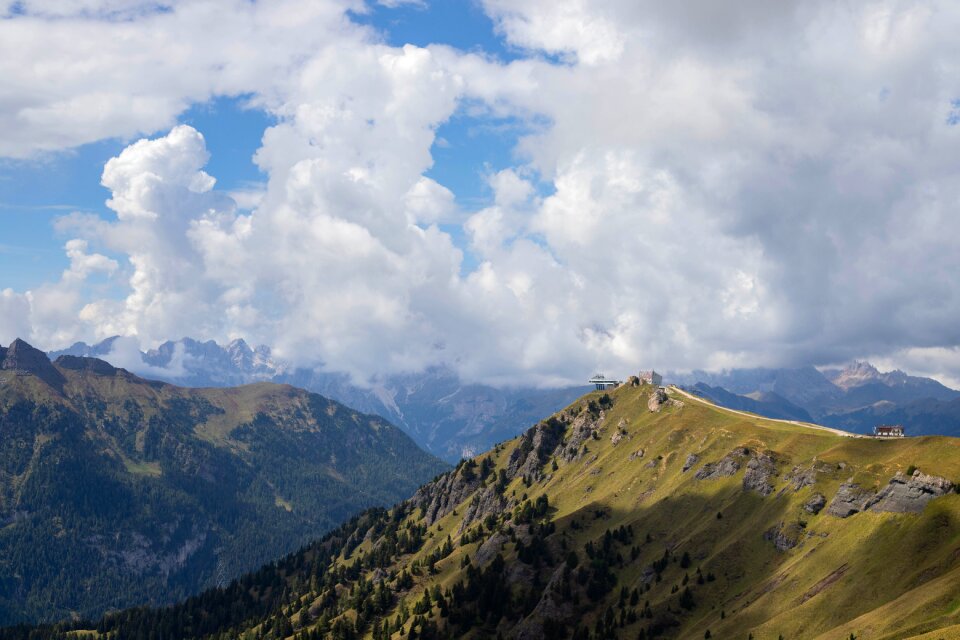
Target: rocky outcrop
<point>909,494</point>
<point>582,429</point>
<point>489,549</point>
<point>851,498</point>
<point>536,446</point>
<point>691,460</point>
<point>488,502</point>
<point>438,498</point>
<point>658,398</point>
<point>761,470</point>
<point>901,495</point>
<point>723,468</point>
<point>815,504</point>
<point>636,455</point>
<point>783,537</point>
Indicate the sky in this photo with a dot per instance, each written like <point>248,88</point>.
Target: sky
<point>532,188</point>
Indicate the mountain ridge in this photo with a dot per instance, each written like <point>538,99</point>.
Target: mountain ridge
<point>444,415</point>
<point>629,514</point>
<point>852,398</point>
<point>117,490</point>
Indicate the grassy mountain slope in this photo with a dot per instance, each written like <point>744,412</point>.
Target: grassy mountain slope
<point>627,515</point>
<point>115,490</point>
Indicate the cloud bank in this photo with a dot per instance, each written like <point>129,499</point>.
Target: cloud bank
<point>766,184</point>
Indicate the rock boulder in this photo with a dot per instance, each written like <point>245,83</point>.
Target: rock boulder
<point>815,504</point>
<point>657,399</point>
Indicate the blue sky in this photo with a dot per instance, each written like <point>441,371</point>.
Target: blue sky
<point>34,193</point>
<point>696,209</point>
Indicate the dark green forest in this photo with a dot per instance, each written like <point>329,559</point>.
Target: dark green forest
<point>115,491</point>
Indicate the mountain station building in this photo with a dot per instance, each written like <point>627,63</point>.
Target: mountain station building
<point>889,431</point>
<point>601,382</point>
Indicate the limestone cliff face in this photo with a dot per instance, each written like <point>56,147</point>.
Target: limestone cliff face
<point>901,495</point>
<point>440,497</point>
<point>536,447</point>
<point>909,495</point>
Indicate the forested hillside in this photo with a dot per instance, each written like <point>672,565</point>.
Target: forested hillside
<point>116,491</point>
<point>633,514</point>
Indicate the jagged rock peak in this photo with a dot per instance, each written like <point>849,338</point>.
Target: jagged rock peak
<point>24,359</point>
<point>856,374</point>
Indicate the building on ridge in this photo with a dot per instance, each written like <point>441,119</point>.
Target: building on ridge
<point>601,382</point>
<point>889,431</point>
<point>651,377</point>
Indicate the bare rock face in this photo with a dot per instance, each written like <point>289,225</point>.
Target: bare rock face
<point>815,504</point>
<point>657,400</point>
<point>691,460</point>
<point>633,381</point>
<point>489,549</point>
<point>851,498</point>
<point>761,470</point>
<point>616,438</point>
<point>487,502</point>
<point>636,455</point>
<point>909,495</point>
<point>723,468</point>
<point>902,495</point>
<point>582,429</point>
<point>439,498</point>
<point>535,448</point>
<point>783,537</point>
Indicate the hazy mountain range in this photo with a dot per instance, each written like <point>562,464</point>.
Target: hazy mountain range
<point>452,419</point>
<point>629,515</point>
<point>119,491</point>
<point>442,414</point>
<point>855,398</point>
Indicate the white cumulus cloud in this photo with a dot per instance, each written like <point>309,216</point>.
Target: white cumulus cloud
<point>698,185</point>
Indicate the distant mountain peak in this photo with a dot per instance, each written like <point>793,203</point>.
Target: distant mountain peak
<point>858,373</point>
<point>862,366</point>
<point>23,359</point>
<point>238,344</point>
